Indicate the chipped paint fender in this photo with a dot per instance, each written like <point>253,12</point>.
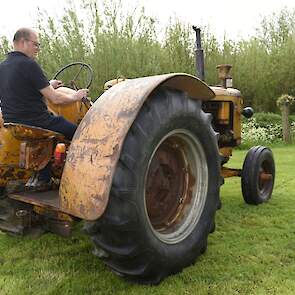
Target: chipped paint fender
<point>97,143</point>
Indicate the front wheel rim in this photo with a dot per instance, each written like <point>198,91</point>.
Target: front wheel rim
<point>176,185</point>
<point>265,179</point>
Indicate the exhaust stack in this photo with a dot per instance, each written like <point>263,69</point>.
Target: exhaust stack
<point>199,55</point>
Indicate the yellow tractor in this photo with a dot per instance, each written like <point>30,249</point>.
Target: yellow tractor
<point>142,172</point>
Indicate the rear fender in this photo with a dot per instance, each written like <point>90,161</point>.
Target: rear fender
<point>97,143</point>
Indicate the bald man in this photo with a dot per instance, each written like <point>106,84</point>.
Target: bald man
<point>23,87</point>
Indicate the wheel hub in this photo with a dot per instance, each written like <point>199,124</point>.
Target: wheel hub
<point>176,186</point>
<point>167,186</point>
<point>265,178</point>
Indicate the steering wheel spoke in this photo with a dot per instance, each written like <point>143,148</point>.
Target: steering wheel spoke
<point>75,71</point>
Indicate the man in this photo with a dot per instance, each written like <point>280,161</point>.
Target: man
<point>23,88</point>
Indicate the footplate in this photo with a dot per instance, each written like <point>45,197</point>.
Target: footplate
<point>15,217</point>
<point>34,213</point>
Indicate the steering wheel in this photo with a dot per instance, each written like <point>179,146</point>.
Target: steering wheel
<point>81,77</point>
<point>75,75</point>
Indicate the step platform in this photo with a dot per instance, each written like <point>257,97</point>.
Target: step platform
<point>22,219</point>
<point>48,199</point>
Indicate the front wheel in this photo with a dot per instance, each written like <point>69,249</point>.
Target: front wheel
<point>164,192</point>
<point>258,175</point>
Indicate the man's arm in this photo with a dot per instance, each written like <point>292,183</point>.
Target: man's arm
<point>60,97</point>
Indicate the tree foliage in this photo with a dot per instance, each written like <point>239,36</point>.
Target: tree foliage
<point>116,43</point>
<point>285,100</point>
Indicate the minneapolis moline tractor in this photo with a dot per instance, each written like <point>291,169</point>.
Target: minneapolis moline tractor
<point>142,172</point>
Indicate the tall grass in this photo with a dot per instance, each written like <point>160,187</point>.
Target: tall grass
<point>121,42</point>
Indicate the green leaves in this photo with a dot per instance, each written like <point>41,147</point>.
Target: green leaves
<point>117,41</point>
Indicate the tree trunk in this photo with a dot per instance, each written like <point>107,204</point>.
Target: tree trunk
<point>285,123</point>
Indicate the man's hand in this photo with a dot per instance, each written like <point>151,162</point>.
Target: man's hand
<point>63,95</point>
<point>80,94</point>
<point>56,83</point>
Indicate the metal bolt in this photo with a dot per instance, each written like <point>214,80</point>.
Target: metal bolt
<point>21,213</point>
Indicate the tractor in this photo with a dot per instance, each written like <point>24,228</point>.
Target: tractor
<point>142,172</point>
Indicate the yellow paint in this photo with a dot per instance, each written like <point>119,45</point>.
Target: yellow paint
<point>229,172</point>
<point>224,113</point>
<point>73,112</point>
<point>96,146</point>
<point>233,96</point>
<point>9,157</point>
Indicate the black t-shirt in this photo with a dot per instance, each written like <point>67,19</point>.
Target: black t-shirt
<point>21,80</point>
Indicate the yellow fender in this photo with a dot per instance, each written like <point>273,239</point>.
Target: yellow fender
<point>97,143</point>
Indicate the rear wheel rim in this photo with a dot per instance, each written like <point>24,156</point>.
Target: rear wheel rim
<point>176,185</point>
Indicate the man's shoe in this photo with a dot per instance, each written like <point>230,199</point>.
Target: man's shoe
<point>41,186</point>
<point>36,185</point>
<point>31,180</point>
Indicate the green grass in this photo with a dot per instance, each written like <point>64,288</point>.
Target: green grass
<point>251,252</point>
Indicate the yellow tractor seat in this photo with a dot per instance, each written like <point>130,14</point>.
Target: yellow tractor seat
<point>26,132</point>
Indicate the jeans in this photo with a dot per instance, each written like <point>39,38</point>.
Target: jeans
<point>61,125</point>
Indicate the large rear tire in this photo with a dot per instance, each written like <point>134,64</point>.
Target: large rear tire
<point>164,193</point>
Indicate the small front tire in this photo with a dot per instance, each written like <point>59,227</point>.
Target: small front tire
<point>258,175</point>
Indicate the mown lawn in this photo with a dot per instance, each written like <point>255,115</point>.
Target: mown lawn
<point>252,251</point>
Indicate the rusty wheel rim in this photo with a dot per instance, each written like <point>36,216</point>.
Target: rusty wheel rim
<point>176,186</point>
<point>265,179</point>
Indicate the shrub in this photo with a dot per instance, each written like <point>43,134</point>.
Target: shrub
<point>285,99</point>
<point>264,119</point>
<point>264,129</point>
<point>254,133</point>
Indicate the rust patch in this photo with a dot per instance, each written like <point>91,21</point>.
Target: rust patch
<point>96,146</point>
<point>230,172</point>
<point>169,185</point>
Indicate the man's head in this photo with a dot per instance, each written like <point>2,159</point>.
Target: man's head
<point>26,41</point>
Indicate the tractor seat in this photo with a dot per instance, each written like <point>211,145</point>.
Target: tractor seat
<point>26,132</point>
